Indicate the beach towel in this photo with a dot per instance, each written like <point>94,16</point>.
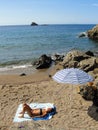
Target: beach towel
<point>34,106</point>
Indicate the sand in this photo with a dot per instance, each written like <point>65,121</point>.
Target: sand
<point>73,112</point>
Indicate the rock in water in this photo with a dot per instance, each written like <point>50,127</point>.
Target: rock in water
<point>34,24</point>
<point>43,62</point>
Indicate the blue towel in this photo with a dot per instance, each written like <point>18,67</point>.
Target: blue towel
<point>47,117</point>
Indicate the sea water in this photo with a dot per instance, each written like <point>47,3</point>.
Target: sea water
<point>20,45</point>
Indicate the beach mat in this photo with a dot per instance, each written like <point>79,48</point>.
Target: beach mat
<point>35,105</point>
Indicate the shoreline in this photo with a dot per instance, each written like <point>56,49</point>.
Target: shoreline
<point>26,76</point>
<point>17,79</point>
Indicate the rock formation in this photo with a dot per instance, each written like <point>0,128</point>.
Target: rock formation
<point>34,24</point>
<point>87,92</point>
<point>78,59</point>
<point>43,62</point>
<point>93,33</point>
<point>57,57</point>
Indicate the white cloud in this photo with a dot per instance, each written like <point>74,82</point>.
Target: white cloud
<point>95,4</point>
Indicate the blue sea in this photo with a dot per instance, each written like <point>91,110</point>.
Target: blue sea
<point>20,45</point>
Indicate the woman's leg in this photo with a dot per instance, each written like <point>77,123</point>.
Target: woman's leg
<point>27,109</point>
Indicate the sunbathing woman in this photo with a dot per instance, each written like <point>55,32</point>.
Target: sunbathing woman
<point>34,112</point>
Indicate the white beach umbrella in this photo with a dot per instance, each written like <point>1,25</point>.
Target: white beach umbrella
<point>72,76</point>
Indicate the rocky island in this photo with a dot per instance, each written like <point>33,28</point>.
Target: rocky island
<point>34,24</point>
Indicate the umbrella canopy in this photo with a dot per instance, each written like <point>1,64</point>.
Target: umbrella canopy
<point>72,76</point>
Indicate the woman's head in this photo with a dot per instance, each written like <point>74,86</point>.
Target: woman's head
<point>90,83</point>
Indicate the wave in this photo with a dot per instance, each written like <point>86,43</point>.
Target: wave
<point>83,34</point>
<point>14,65</point>
<point>17,62</point>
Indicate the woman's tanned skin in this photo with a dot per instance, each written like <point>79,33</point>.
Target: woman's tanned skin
<point>34,112</point>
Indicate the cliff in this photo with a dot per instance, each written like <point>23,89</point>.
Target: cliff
<point>93,33</point>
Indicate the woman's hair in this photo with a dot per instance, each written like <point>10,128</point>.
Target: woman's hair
<point>90,83</point>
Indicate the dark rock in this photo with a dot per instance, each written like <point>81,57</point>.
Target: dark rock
<point>34,24</point>
<point>43,62</point>
<point>97,110</point>
<point>80,58</point>
<point>89,53</point>
<point>23,74</point>
<point>50,76</point>
<point>95,99</point>
<point>87,92</point>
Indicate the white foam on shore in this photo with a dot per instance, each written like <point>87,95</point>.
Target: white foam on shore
<point>17,69</point>
<point>12,67</point>
<point>21,66</point>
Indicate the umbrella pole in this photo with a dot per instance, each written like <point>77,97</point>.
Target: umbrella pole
<point>71,97</point>
<point>77,90</point>
<point>72,91</point>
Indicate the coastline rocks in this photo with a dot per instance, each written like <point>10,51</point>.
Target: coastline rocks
<point>89,53</point>
<point>34,24</point>
<point>78,59</point>
<point>43,62</point>
<point>57,58</point>
<point>89,93</point>
<point>73,59</point>
<point>93,33</point>
<point>89,64</point>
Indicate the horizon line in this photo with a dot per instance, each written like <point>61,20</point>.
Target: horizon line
<point>49,24</point>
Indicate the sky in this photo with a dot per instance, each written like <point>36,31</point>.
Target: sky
<point>23,12</point>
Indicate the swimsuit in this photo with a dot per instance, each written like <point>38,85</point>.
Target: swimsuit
<point>52,110</point>
<point>41,111</point>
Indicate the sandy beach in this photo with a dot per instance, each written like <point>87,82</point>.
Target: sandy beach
<point>73,112</point>
<point>37,39</point>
